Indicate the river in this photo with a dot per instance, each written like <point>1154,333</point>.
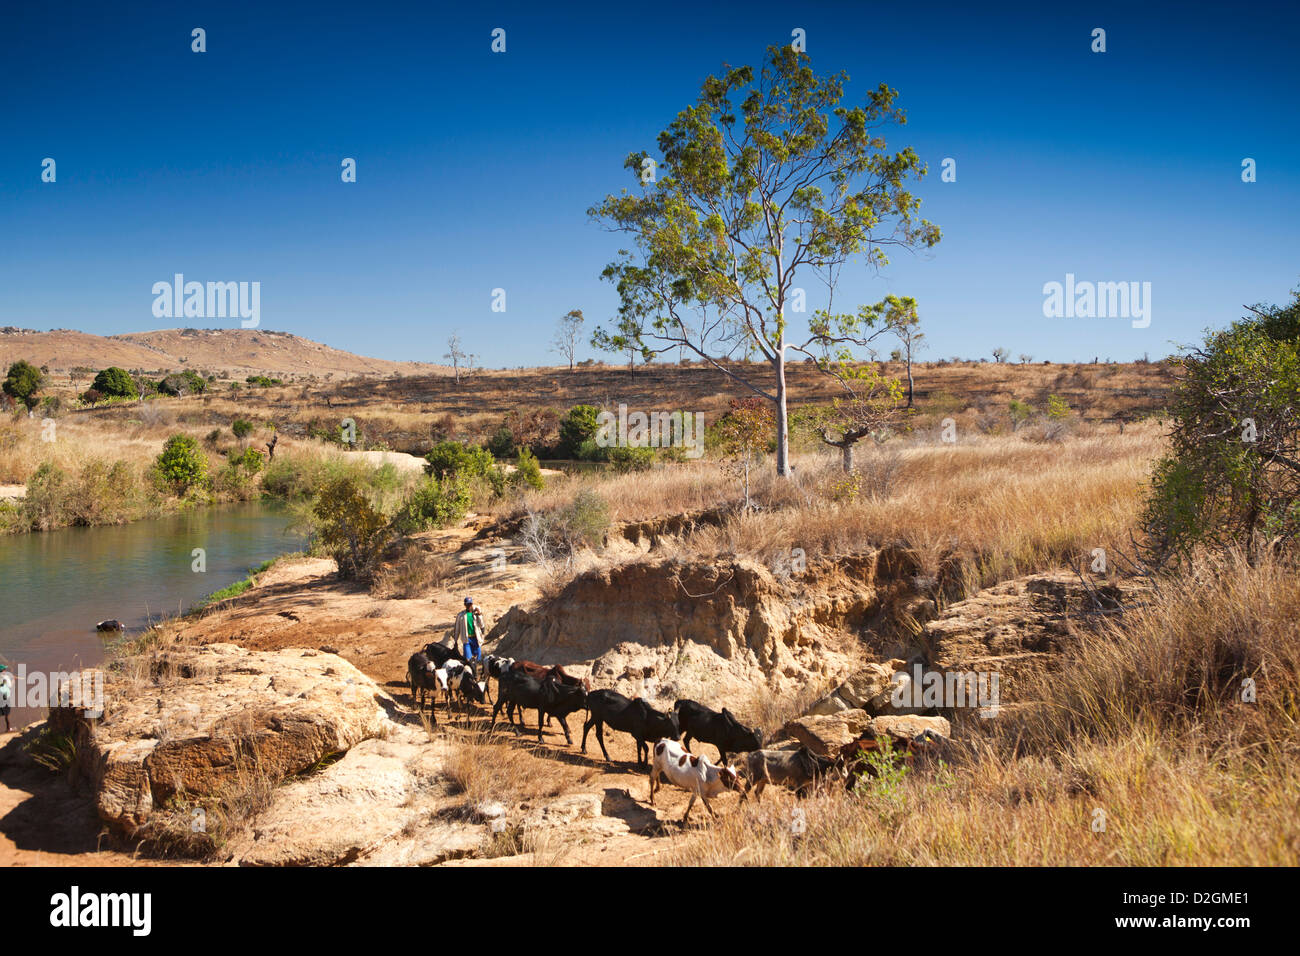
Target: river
<point>55,585</point>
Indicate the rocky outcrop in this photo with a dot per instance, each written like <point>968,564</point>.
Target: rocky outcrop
<point>827,734</point>
<point>870,689</point>
<point>203,721</point>
<point>704,628</point>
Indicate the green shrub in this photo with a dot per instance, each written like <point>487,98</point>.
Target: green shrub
<point>23,382</point>
<point>182,465</point>
<point>434,504</point>
<point>116,383</point>
<point>1232,474</point>
<point>452,459</point>
<point>44,506</point>
<point>350,529</point>
<point>241,428</point>
<point>528,471</point>
<point>250,459</point>
<point>628,459</point>
<point>502,443</point>
<point>577,427</point>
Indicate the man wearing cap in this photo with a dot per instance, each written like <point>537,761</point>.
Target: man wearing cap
<point>469,631</point>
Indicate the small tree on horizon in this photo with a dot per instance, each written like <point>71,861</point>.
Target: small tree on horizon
<point>567,334</point>
<point>899,316</point>
<point>455,354</point>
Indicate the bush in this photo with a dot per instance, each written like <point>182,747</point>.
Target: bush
<point>23,382</point>
<point>629,459</point>
<point>502,443</point>
<point>452,459</point>
<point>561,533</point>
<point>434,503</point>
<point>116,383</point>
<point>241,428</point>
<point>350,529</point>
<point>578,426</point>
<point>1232,476</point>
<point>250,459</point>
<point>182,465</point>
<point>528,471</point>
<point>45,503</point>
<point>187,382</point>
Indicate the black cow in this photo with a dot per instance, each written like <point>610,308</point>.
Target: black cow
<point>441,654</point>
<point>722,730</point>
<point>548,697</point>
<point>420,678</point>
<point>635,717</point>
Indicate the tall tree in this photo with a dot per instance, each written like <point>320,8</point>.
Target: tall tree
<point>567,334</point>
<point>764,181</point>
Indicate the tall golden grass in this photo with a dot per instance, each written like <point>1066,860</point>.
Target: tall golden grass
<point>1141,752</point>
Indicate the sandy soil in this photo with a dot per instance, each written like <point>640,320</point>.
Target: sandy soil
<point>299,603</point>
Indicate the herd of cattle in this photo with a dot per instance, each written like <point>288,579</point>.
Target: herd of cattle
<point>553,693</point>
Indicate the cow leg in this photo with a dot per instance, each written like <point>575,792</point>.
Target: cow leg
<point>688,809</point>
<point>722,757</point>
<point>495,710</point>
<point>586,726</point>
<point>705,800</point>
<point>541,719</point>
<point>758,789</point>
<point>686,742</point>
<point>600,738</point>
<point>654,778</point>
<point>564,722</point>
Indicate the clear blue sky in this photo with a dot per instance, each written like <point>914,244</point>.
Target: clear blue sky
<point>475,169</point>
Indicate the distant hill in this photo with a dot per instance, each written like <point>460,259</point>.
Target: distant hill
<point>226,352</point>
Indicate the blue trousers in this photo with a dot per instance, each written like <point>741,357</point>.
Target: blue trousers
<point>472,652</point>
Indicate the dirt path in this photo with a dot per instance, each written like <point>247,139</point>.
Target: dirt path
<point>299,603</point>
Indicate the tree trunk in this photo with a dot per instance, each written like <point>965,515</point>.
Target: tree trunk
<point>846,455</point>
<point>909,378</point>
<point>782,424</point>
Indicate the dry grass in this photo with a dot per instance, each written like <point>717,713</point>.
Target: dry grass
<point>1142,727</point>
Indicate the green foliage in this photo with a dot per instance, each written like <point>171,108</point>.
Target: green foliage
<point>182,464</point>
<point>349,528</point>
<point>261,381</point>
<point>1021,412</point>
<point>528,471</point>
<point>764,175</point>
<point>116,383</point>
<point>452,459</point>
<point>1058,409</point>
<point>434,503</point>
<point>577,427</point>
<point>250,459</point>
<point>45,503</point>
<point>502,442</point>
<point>187,382</point>
<point>23,382</point>
<point>629,459</point>
<point>1232,474</point>
<point>241,428</point>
